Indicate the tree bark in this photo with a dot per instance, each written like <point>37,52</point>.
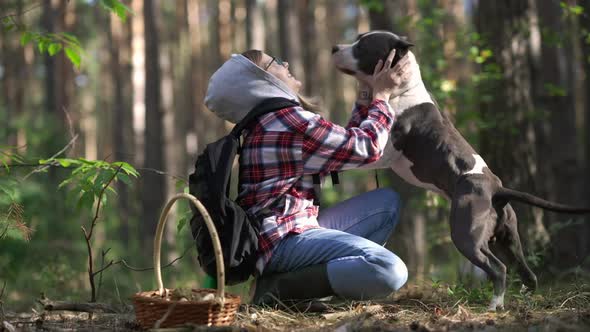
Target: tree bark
<point>289,37</point>
<point>308,37</point>
<point>153,189</point>
<point>555,96</point>
<point>119,52</point>
<point>255,34</point>
<point>507,144</point>
<point>408,240</point>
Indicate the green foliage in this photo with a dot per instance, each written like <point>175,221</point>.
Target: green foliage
<point>91,178</point>
<point>116,7</point>
<point>12,221</point>
<point>571,9</point>
<point>373,5</point>
<point>54,43</point>
<point>475,295</point>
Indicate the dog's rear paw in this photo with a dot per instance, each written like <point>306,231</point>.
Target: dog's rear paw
<point>497,303</point>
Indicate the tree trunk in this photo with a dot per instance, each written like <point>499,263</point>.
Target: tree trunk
<point>47,22</point>
<point>555,96</point>
<point>585,42</point>
<point>153,189</point>
<point>119,51</point>
<point>507,144</point>
<point>408,240</point>
<point>308,37</point>
<point>13,80</point>
<point>194,79</point>
<point>289,37</point>
<point>255,34</point>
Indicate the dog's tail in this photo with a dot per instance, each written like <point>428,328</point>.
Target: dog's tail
<point>505,195</point>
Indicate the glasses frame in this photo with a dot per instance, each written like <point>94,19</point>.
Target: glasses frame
<point>277,60</point>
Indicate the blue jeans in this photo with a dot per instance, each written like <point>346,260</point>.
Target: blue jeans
<point>351,243</point>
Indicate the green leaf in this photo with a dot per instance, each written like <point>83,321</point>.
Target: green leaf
<point>73,56</point>
<point>26,37</point>
<point>124,178</point>
<point>181,223</point>
<point>54,48</point>
<point>127,168</point>
<point>64,162</point>
<point>70,38</point>
<point>86,200</point>
<point>42,45</point>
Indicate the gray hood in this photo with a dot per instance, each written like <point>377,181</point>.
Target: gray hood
<point>239,85</point>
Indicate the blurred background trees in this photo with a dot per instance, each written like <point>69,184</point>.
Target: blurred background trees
<point>510,73</point>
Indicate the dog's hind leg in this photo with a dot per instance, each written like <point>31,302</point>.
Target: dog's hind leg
<point>495,269</point>
<point>473,220</point>
<point>508,245</point>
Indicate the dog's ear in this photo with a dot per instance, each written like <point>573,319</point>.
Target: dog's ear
<point>404,42</point>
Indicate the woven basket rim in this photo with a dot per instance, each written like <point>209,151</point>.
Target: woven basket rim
<point>147,297</point>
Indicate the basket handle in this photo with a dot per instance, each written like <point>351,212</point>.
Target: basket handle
<point>220,295</point>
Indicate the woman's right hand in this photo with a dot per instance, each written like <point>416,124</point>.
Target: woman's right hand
<point>389,82</point>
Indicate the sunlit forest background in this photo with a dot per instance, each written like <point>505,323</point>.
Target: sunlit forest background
<point>511,74</point>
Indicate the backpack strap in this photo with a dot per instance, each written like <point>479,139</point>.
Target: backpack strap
<point>264,107</point>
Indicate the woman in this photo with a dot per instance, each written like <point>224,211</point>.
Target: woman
<point>303,256</point>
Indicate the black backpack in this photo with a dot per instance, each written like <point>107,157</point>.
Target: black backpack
<point>238,232</point>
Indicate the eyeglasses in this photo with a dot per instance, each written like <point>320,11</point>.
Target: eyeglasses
<point>278,61</point>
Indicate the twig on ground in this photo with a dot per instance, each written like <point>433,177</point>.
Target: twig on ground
<point>573,297</point>
<point>73,306</point>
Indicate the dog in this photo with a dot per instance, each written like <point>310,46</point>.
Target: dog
<point>426,150</point>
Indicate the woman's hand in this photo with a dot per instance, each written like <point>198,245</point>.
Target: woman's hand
<point>389,82</point>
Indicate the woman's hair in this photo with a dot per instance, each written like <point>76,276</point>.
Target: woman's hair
<point>256,57</point>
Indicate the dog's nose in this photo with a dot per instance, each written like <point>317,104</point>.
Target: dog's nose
<point>335,49</point>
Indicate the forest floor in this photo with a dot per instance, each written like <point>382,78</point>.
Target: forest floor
<point>437,308</point>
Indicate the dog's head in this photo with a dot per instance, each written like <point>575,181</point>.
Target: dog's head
<point>365,52</point>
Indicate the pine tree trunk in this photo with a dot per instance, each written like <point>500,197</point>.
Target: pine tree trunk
<point>153,189</point>
<point>555,96</point>
<point>308,37</point>
<point>289,37</point>
<point>408,239</point>
<point>508,144</point>
<point>255,32</point>
<point>119,51</point>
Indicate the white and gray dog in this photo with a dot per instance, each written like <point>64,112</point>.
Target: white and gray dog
<point>427,151</point>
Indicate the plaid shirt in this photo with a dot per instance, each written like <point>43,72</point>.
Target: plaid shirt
<point>282,151</point>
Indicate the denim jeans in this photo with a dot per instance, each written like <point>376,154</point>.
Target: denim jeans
<point>351,244</point>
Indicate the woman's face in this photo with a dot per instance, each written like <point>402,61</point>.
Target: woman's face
<point>280,71</point>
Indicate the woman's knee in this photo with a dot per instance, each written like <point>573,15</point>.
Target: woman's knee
<point>393,275</point>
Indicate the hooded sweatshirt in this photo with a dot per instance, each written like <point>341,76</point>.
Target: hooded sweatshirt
<point>282,150</point>
<point>239,85</point>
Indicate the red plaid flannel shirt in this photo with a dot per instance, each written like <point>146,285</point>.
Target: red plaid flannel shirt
<point>282,151</point>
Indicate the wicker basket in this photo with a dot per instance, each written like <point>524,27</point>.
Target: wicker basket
<point>154,310</point>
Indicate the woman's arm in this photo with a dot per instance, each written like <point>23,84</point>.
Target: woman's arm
<point>329,147</point>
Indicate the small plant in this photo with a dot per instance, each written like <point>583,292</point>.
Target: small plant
<point>477,295</point>
<point>93,180</point>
